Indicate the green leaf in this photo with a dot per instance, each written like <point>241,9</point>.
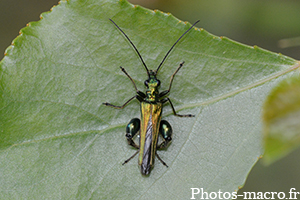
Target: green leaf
<point>282,119</point>
<point>59,142</point>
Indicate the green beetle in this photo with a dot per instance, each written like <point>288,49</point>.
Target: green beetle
<point>150,124</point>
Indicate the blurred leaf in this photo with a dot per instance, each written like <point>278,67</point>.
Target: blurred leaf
<point>282,119</point>
<point>59,142</point>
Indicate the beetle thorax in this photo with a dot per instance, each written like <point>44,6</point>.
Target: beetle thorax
<point>152,85</point>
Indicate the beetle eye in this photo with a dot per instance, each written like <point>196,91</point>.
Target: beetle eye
<point>158,83</point>
<point>146,82</point>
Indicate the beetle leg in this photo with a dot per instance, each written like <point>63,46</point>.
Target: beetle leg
<point>123,70</point>
<point>120,107</point>
<point>126,161</point>
<point>131,129</point>
<point>161,160</point>
<point>165,131</point>
<point>167,99</point>
<point>140,95</point>
<point>163,93</point>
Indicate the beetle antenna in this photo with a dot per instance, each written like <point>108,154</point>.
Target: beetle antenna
<point>175,44</point>
<point>132,45</point>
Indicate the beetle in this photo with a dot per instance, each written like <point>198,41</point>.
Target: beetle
<point>151,104</point>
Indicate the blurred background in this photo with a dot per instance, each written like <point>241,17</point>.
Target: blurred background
<point>271,24</point>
